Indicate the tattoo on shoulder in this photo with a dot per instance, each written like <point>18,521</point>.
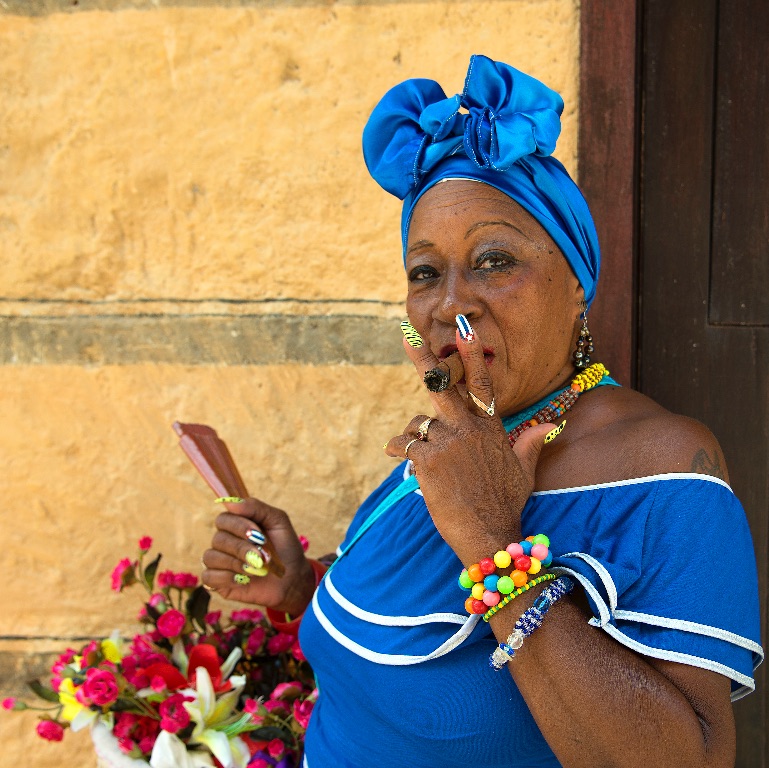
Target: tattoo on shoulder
<point>703,464</point>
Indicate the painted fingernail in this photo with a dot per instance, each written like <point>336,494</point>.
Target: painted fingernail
<point>411,335</point>
<point>254,571</point>
<point>255,536</point>
<point>228,500</point>
<point>241,578</point>
<point>553,433</point>
<point>254,559</point>
<point>465,329</point>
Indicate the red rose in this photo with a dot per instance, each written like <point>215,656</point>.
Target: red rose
<point>171,623</point>
<point>145,543</point>
<point>100,686</point>
<point>279,643</point>
<point>50,730</point>
<point>123,575</point>
<point>173,715</point>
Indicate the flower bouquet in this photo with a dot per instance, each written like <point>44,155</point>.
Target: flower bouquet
<point>193,689</point>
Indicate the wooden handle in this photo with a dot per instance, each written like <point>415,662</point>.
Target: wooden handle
<point>211,457</point>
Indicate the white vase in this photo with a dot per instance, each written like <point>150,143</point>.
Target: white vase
<point>108,753</point>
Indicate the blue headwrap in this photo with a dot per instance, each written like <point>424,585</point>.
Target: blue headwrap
<point>416,137</point>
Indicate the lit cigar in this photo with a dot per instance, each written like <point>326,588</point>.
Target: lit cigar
<point>446,374</point>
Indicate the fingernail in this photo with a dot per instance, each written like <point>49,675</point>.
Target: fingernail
<point>241,578</point>
<point>255,571</point>
<point>411,335</point>
<point>254,559</point>
<point>465,329</point>
<point>228,500</point>
<point>553,433</point>
<point>256,537</point>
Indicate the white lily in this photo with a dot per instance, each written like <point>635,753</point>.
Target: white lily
<point>213,715</point>
<point>171,752</point>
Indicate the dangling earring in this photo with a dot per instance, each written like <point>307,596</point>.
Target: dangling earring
<point>584,342</point>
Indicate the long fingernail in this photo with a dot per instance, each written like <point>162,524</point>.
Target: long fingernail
<point>254,571</point>
<point>465,329</point>
<point>241,578</point>
<point>228,500</point>
<point>256,537</point>
<point>553,433</point>
<point>254,559</point>
<point>411,335</point>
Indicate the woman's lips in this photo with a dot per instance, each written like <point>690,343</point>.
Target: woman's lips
<point>450,349</point>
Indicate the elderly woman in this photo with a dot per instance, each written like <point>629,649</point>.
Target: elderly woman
<point>542,581</point>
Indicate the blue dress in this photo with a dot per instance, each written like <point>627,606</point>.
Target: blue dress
<point>403,671</point>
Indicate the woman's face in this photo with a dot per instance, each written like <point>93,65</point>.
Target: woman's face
<point>473,250</point>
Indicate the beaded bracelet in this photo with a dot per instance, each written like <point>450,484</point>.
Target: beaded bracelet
<point>530,620</point>
<point>527,557</point>
<point>517,593</point>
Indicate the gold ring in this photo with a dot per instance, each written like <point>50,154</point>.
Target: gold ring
<point>210,589</point>
<point>408,445</point>
<point>489,409</point>
<point>422,429</point>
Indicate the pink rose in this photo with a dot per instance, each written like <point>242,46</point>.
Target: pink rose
<point>185,580</point>
<point>213,617</point>
<point>171,623</point>
<point>145,543</point>
<point>50,730</point>
<point>260,762</point>
<point>246,614</point>
<point>173,715</point>
<point>288,690</point>
<point>302,711</point>
<point>9,703</point>
<point>100,686</point>
<point>255,641</point>
<point>126,745</point>
<point>157,684</point>
<point>124,723</point>
<point>165,579</point>
<point>297,653</point>
<point>158,601</point>
<point>276,748</point>
<point>123,575</point>
<point>276,707</point>
<point>280,643</point>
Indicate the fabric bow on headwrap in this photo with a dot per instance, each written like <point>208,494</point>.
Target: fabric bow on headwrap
<point>501,130</point>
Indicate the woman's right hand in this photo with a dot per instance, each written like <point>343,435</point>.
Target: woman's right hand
<point>227,556</point>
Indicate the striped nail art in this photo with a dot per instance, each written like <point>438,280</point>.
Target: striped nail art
<point>256,537</point>
<point>465,329</point>
<point>412,337</point>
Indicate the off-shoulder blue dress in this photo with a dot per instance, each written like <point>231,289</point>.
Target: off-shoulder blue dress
<point>403,672</point>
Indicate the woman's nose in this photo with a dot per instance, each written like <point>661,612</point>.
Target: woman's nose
<point>457,297</point>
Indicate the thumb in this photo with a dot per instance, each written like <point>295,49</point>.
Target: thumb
<point>529,445</point>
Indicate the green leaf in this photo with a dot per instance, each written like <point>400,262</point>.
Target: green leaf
<point>150,571</point>
<point>197,606</point>
<point>43,691</point>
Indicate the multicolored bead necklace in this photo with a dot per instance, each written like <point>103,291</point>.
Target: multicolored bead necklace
<point>565,399</point>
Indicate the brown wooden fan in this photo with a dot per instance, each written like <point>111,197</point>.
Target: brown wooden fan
<point>211,457</point>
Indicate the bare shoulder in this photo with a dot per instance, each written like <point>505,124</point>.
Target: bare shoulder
<point>614,433</point>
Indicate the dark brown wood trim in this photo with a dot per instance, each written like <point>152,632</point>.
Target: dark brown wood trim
<point>607,171</point>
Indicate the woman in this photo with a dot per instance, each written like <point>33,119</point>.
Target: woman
<point>633,666</point>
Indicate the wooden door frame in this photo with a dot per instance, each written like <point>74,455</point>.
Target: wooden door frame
<point>607,147</point>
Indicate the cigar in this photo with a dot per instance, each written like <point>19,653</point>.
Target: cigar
<point>446,374</point>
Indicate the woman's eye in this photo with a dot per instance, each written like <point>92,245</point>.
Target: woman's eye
<point>495,260</point>
<point>422,272</point>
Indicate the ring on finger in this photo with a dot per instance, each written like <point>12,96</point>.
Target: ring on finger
<point>489,409</point>
<point>408,445</point>
<point>210,589</point>
<point>422,429</point>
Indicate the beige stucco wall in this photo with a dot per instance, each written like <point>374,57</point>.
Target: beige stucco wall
<point>188,232</point>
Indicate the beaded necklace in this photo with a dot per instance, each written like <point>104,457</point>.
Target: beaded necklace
<point>551,408</point>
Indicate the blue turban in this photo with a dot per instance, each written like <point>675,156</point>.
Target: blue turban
<point>416,137</point>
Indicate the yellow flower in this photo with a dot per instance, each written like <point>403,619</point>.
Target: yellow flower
<point>112,649</point>
<point>72,710</point>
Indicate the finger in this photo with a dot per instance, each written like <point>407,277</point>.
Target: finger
<point>403,447</point>
<point>449,404</point>
<point>477,378</point>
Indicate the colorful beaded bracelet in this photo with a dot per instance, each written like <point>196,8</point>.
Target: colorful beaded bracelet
<point>517,593</point>
<point>530,620</point>
<point>527,557</point>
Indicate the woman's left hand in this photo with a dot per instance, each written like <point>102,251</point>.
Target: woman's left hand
<point>474,484</point>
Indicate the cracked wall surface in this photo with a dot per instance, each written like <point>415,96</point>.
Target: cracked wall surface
<point>188,232</point>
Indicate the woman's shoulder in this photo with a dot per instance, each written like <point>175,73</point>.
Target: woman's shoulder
<point>615,433</point>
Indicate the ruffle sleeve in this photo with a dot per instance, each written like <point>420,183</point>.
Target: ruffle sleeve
<point>668,566</point>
